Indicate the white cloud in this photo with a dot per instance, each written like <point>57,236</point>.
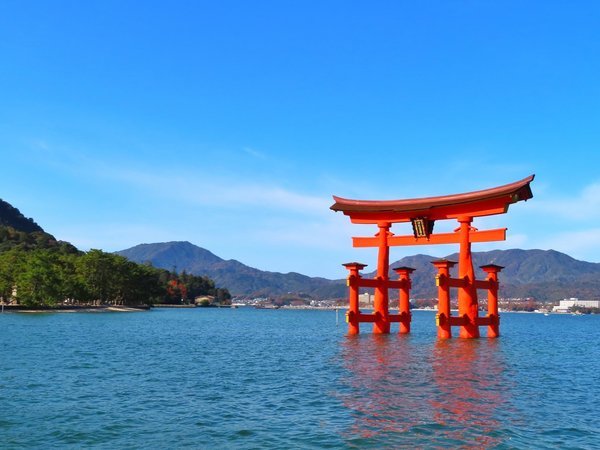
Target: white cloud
<point>195,186</point>
<point>327,233</point>
<point>221,191</point>
<point>120,235</point>
<point>585,206</point>
<point>254,153</point>
<point>580,244</point>
<point>512,241</point>
<point>262,213</point>
<point>39,144</point>
<point>258,211</point>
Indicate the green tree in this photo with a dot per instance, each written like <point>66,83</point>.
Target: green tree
<point>38,280</point>
<point>100,276</point>
<point>72,283</point>
<point>10,264</point>
<point>46,276</point>
<point>141,285</point>
<point>222,296</point>
<point>197,285</point>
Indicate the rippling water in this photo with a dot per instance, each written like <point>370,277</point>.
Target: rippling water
<point>244,378</point>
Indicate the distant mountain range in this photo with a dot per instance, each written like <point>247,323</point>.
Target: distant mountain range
<point>542,274</point>
<point>235,276</point>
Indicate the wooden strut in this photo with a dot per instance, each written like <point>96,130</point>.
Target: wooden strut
<point>444,318</point>
<point>468,318</point>
<point>440,238</point>
<point>354,316</point>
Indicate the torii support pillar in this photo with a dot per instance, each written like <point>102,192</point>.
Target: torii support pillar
<point>494,318</point>
<point>352,316</point>
<point>444,282</point>
<point>443,318</point>
<point>404,315</point>
<point>468,307</point>
<point>381,300</point>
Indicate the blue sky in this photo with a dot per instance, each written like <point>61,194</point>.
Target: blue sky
<point>230,124</point>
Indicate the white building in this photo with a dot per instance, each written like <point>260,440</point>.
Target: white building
<point>365,300</point>
<point>567,304</point>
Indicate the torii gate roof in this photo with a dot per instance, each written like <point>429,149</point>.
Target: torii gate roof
<point>473,204</point>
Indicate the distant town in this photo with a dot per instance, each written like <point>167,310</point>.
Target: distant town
<point>566,306</point>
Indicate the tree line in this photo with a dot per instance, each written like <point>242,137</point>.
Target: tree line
<point>50,277</point>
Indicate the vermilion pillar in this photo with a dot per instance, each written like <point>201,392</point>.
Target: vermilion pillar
<point>494,326</point>
<point>380,302</point>
<point>404,299</point>
<point>442,281</point>
<point>353,284</point>
<point>467,293</point>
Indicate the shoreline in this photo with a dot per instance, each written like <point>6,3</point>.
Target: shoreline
<point>141,308</point>
<point>98,309</point>
<point>72,309</point>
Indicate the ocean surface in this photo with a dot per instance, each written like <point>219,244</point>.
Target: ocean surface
<point>284,379</point>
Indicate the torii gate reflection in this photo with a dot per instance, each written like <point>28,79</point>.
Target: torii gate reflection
<point>422,213</point>
<point>402,393</point>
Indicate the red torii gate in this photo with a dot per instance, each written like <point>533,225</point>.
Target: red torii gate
<point>422,213</point>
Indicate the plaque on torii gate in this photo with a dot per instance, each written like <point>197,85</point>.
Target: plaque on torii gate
<point>422,213</point>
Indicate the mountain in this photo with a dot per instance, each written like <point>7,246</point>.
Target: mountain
<point>543,274</point>
<point>18,231</point>
<point>173,255</point>
<point>239,278</point>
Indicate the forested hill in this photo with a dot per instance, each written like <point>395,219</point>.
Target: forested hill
<point>12,217</point>
<point>542,274</point>
<point>36,270</point>
<point>18,231</point>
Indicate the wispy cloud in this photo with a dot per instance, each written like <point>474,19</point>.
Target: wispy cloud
<point>581,244</point>
<point>512,241</point>
<point>584,206</point>
<point>254,153</point>
<point>39,144</point>
<point>195,186</point>
<point>222,191</point>
<point>328,232</point>
<point>565,224</point>
<point>86,235</point>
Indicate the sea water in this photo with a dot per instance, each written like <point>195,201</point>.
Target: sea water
<point>246,378</point>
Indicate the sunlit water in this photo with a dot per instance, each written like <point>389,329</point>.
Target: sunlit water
<point>245,378</point>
